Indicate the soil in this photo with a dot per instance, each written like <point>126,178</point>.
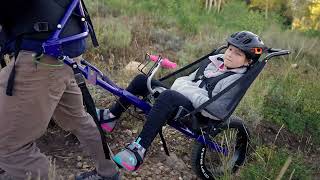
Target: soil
<point>71,160</point>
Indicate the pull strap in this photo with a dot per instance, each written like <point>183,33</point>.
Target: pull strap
<point>90,26</point>
<point>164,144</point>
<point>89,103</point>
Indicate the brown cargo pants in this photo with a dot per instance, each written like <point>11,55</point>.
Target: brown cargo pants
<point>41,92</point>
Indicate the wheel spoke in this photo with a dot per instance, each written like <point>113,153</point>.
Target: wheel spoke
<point>219,163</point>
<point>223,152</point>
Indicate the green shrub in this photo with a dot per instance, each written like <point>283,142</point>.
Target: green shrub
<point>268,161</point>
<point>294,100</point>
<point>236,15</point>
<point>117,35</point>
<point>190,15</point>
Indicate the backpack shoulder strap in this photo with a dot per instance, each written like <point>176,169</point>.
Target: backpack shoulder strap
<point>202,67</point>
<point>210,83</point>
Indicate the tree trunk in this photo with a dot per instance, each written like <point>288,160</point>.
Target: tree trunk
<point>210,5</point>
<point>219,5</point>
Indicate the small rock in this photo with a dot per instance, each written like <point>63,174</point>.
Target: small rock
<point>185,158</point>
<point>128,132</point>
<point>180,178</point>
<point>161,168</point>
<point>79,158</point>
<point>132,66</point>
<point>149,173</point>
<point>174,162</point>
<point>138,178</point>
<point>66,143</point>
<point>194,176</point>
<point>158,171</point>
<point>71,177</point>
<point>85,166</point>
<point>79,165</point>
<point>314,155</point>
<point>172,173</point>
<point>70,154</point>
<point>295,66</point>
<point>134,174</point>
<point>113,146</point>
<point>135,131</point>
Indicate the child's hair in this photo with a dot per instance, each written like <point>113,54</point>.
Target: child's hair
<point>249,43</point>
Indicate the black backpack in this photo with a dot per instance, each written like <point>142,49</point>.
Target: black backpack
<point>10,10</point>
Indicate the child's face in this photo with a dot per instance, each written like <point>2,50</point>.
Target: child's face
<point>234,57</point>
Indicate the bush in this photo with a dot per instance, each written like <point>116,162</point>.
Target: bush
<point>295,102</point>
<point>115,34</point>
<point>268,161</point>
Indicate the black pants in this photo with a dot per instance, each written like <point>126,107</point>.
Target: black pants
<point>165,108</point>
<point>138,87</point>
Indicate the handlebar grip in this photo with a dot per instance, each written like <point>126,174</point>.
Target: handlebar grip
<point>166,63</point>
<point>276,52</point>
<point>272,50</point>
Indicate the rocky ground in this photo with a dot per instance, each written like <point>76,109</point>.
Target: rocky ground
<point>70,159</point>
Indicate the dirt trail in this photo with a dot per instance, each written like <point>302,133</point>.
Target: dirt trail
<point>70,159</point>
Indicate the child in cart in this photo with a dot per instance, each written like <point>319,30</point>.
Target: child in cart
<point>244,48</point>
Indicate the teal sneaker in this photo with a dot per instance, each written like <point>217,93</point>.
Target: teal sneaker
<point>107,122</point>
<point>131,157</point>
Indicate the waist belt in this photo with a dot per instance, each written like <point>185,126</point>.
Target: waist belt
<point>31,45</point>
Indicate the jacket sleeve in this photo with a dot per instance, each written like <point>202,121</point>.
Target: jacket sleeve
<point>190,89</point>
<point>183,80</point>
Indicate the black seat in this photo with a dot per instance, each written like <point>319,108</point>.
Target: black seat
<point>224,103</point>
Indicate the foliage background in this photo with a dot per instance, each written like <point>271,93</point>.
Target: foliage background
<point>286,93</point>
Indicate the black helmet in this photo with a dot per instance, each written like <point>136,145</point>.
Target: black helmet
<point>249,43</point>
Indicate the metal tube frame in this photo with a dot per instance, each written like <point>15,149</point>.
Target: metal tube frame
<point>52,47</point>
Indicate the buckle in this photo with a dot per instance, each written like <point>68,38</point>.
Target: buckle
<point>41,26</point>
<point>79,79</point>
